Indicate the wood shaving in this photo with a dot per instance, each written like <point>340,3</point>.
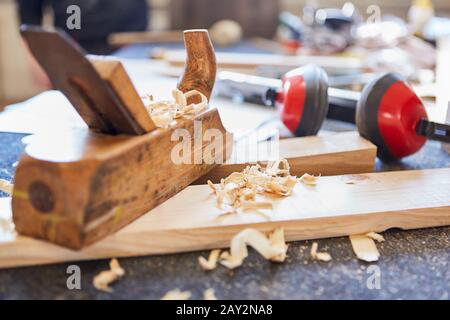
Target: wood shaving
<point>242,189</point>
<point>211,263</point>
<point>375,236</point>
<point>277,240</point>
<point>364,248</point>
<point>105,278</point>
<point>6,187</point>
<point>271,248</point>
<point>177,294</point>
<point>320,256</point>
<point>164,113</point>
<point>309,179</point>
<point>209,294</point>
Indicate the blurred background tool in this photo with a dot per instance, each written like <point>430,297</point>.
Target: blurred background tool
<point>387,112</point>
<point>301,91</point>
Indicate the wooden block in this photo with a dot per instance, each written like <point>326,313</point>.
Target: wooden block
<point>336,206</point>
<point>77,187</point>
<point>335,154</point>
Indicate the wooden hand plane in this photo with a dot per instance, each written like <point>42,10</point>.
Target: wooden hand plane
<point>76,187</point>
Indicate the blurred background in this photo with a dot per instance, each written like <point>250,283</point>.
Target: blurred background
<point>373,35</point>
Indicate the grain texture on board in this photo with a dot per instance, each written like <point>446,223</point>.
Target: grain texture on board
<point>190,221</point>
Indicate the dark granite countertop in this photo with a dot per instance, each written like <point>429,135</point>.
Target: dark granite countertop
<point>413,264</point>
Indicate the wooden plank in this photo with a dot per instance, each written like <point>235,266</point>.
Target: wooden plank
<point>128,38</point>
<point>342,153</point>
<point>252,61</point>
<point>190,221</point>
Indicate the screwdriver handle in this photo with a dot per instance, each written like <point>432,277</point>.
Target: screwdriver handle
<point>433,130</point>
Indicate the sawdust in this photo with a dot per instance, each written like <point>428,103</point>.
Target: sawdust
<point>105,278</point>
<point>271,248</point>
<point>320,256</point>
<point>211,263</point>
<point>6,187</point>
<point>164,113</point>
<point>177,294</point>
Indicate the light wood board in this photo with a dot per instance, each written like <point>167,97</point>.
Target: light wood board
<point>334,154</point>
<point>190,221</point>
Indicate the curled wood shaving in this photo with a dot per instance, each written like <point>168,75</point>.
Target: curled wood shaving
<point>321,256</point>
<point>364,248</point>
<point>164,113</point>
<point>177,294</point>
<point>308,179</point>
<point>211,263</point>
<point>277,240</point>
<point>6,187</point>
<point>105,278</point>
<point>375,236</point>
<point>271,248</point>
<point>240,189</point>
<point>209,294</point>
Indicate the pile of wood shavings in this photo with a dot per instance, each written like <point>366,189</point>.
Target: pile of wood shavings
<point>164,113</point>
<point>105,278</point>
<point>272,248</point>
<point>240,189</point>
<point>6,187</point>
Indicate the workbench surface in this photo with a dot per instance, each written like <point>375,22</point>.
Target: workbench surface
<point>413,264</point>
